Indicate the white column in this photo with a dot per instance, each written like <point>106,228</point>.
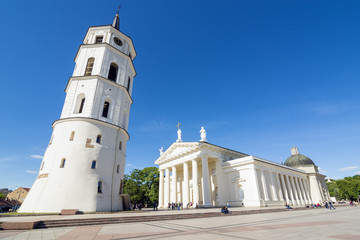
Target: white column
<point>161,188</point>
<point>279,187</point>
<point>167,188</point>
<point>186,184</point>
<point>220,182</point>
<point>195,183</point>
<point>263,180</point>
<point>273,187</point>
<point>294,190</point>
<point>299,191</point>
<point>290,190</point>
<point>303,191</point>
<point>320,189</point>
<point>174,184</point>
<point>206,182</point>
<point>285,190</point>
<point>308,191</point>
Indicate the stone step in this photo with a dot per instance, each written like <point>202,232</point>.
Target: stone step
<point>112,220</point>
<point>145,218</point>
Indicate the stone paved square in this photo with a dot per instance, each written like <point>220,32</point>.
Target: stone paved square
<point>341,223</point>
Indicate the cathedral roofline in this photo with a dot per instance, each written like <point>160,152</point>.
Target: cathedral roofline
<point>91,77</point>
<point>198,145</point>
<point>108,46</point>
<point>195,145</point>
<point>227,149</point>
<point>277,164</point>
<point>90,120</point>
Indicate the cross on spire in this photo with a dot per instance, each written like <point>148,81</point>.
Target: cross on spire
<point>178,125</point>
<point>116,22</point>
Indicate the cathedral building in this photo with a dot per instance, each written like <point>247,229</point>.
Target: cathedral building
<point>205,175</point>
<point>83,165</point>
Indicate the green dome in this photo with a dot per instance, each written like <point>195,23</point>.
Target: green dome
<point>297,160</point>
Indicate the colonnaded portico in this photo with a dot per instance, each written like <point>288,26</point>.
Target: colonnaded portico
<point>205,175</point>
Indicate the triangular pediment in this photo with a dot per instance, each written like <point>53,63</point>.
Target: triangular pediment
<point>176,150</point>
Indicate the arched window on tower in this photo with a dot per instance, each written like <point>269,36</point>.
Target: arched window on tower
<point>118,168</point>
<point>128,84</point>
<point>62,164</point>
<point>113,72</point>
<point>106,109</point>
<point>80,103</point>
<point>89,66</point>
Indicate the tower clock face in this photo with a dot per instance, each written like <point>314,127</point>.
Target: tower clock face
<point>118,41</point>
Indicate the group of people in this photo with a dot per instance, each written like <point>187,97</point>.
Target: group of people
<point>352,204</point>
<point>137,206</point>
<point>329,205</point>
<point>225,210</point>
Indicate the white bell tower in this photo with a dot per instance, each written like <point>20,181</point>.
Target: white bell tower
<point>83,165</point>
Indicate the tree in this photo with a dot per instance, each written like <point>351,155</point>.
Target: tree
<point>2,196</point>
<point>337,194</point>
<point>143,185</point>
<point>331,187</point>
<point>349,187</point>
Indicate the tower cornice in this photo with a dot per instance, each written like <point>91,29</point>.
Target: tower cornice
<point>114,30</point>
<point>91,77</point>
<point>98,45</point>
<point>86,119</point>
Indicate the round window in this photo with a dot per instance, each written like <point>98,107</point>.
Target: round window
<point>118,41</point>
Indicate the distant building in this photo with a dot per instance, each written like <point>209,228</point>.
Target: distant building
<point>19,194</point>
<point>7,204</point>
<point>5,191</point>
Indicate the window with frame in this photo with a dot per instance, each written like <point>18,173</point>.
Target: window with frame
<point>81,107</point>
<point>62,164</point>
<point>72,136</point>
<point>113,72</point>
<point>99,39</point>
<point>128,84</point>
<point>106,109</point>
<point>100,187</point>
<point>89,66</point>
<point>118,168</point>
<point>98,138</point>
<point>93,164</point>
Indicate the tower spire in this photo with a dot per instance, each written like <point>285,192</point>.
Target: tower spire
<point>116,22</point>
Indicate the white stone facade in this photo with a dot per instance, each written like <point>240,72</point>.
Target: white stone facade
<point>208,175</point>
<point>83,166</point>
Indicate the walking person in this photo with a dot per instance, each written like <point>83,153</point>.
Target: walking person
<point>331,206</point>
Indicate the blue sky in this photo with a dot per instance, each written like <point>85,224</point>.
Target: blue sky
<point>260,76</point>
